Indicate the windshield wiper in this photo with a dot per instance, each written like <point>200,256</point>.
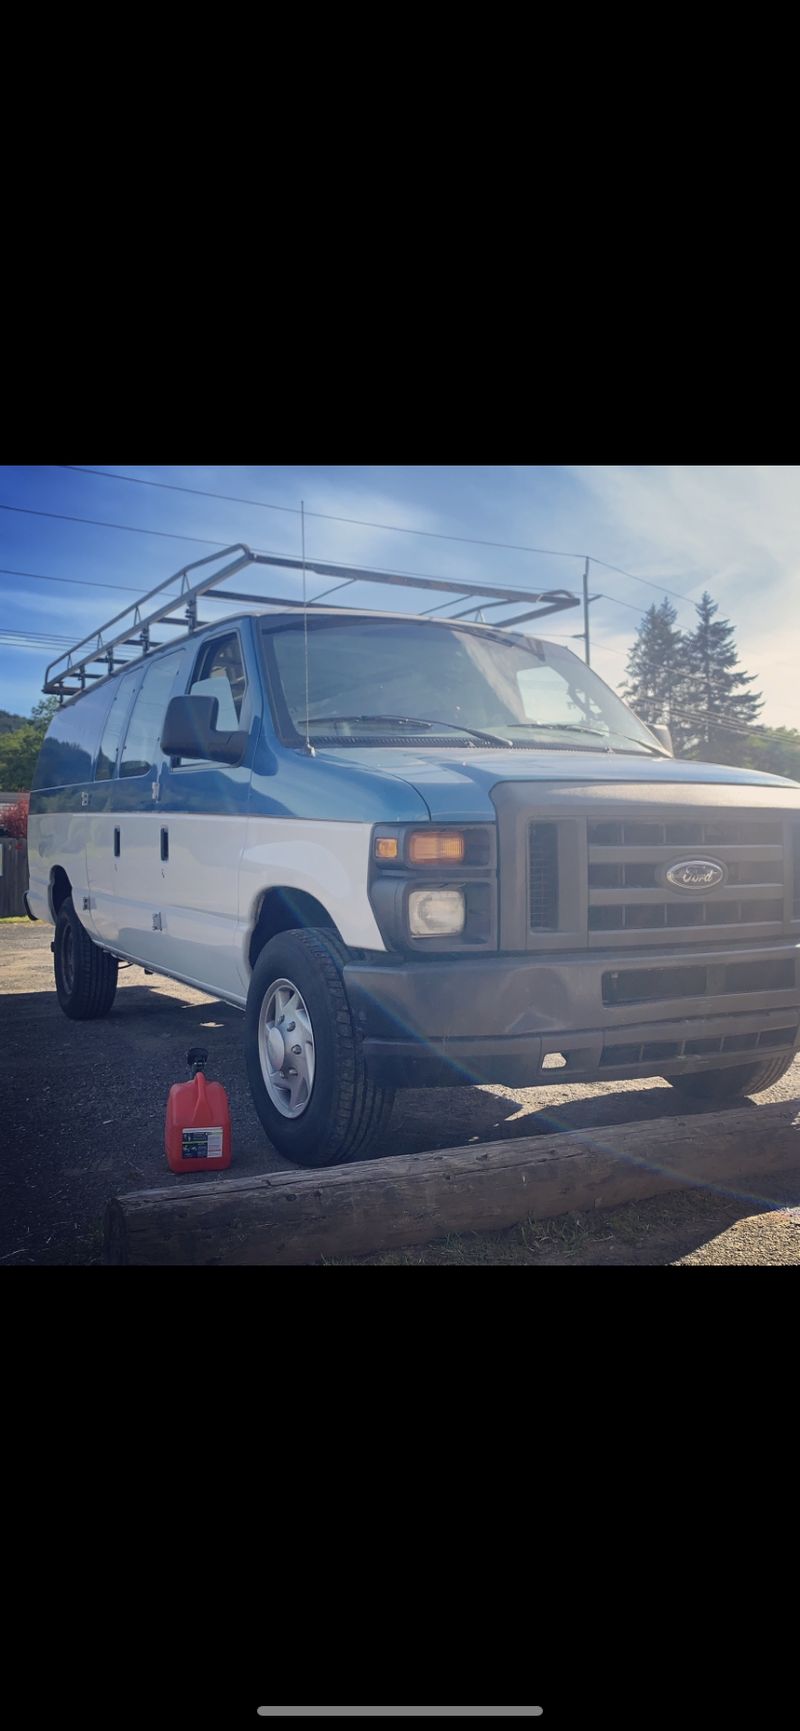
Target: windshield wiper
<point>560,727</point>
<point>596,733</point>
<point>415,721</point>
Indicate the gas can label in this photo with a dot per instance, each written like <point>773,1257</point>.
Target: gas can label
<point>202,1144</point>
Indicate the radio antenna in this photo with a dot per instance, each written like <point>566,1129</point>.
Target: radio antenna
<point>309,746</point>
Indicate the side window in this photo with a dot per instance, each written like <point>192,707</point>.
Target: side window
<point>220,673</point>
<point>68,751</point>
<point>142,748</point>
<point>113,730</point>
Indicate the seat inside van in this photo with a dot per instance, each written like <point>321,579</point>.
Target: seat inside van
<point>219,687</point>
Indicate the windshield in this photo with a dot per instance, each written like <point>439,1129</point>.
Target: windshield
<point>389,677</point>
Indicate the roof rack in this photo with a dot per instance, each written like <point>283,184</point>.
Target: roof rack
<point>67,676</point>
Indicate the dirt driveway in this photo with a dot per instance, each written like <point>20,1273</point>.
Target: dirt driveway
<point>83,1108</point>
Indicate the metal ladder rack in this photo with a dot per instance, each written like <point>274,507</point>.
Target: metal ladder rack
<point>67,676</point>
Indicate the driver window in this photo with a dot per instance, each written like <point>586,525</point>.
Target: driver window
<point>220,673</point>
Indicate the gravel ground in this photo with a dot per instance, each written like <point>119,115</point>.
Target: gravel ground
<point>83,1115</point>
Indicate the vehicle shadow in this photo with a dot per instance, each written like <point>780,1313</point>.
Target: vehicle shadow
<point>448,1117</point>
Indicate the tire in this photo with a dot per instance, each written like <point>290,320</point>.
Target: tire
<point>86,977</point>
<point>728,1084</point>
<point>342,1112</point>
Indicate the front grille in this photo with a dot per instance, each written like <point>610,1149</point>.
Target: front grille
<point>649,985</point>
<point>543,870</point>
<point>628,891</point>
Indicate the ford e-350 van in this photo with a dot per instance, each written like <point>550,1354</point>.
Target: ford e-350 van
<point>413,851</point>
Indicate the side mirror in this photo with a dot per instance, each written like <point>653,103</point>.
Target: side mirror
<point>663,735</point>
<point>190,730</point>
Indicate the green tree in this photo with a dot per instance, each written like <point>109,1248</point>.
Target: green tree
<point>19,749</point>
<point>774,750</point>
<point>656,671</point>
<point>18,754</point>
<point>9,721</point>
<point>44,710</point>
<point>715,694</point>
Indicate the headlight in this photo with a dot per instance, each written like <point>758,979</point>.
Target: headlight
<point>436,913</point>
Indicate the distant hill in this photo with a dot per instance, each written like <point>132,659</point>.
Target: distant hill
<point>9,723</point>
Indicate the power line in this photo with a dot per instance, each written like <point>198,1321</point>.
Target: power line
<point>196,492</point>
<point>661,587</point>
<point>130,528</point>
<point>322,516</point>
<point>619,603</point>
<point>710,718</point>
<point>80,582</point>
<point>164,534</point>
<point>32,637</point>
<point>703,718</point>
<point>364,523</point>
<point>30,631</point>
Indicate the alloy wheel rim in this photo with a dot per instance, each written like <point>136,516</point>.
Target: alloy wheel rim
<point>286,1048</point>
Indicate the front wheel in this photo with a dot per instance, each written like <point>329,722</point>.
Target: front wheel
<point>740,1079</point>
<point>86,977</point>
<point>304,1059</point>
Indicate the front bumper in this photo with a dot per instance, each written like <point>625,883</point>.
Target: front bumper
<point>461,1020</point>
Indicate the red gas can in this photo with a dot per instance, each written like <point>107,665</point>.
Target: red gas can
<point>197,1137</point>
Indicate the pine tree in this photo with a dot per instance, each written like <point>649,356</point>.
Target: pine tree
<point>656,663</point>
<point>715,691</point>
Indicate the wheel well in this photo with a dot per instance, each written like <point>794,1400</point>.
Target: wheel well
<point>286,910</point>
<point>60,888</point>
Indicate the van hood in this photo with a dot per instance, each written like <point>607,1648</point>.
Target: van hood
<point>456,786</point>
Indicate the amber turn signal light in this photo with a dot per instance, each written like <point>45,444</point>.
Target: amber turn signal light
<point>387,847</point>
<point>435,847</point>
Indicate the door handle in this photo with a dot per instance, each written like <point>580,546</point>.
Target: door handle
<point>116,844</point>
<point>165,844</point>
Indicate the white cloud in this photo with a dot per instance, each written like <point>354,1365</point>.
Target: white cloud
<point>733,529</point>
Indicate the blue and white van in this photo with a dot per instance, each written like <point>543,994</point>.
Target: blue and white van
<point>413,851</point>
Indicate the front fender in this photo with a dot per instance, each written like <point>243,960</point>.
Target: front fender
<point>329,861</point>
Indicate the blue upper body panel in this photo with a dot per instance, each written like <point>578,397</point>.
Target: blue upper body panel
<point>456,786</point>
<point>329,788</point>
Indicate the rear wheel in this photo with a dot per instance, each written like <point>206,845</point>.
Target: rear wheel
<point>86,977</point>
<point>729,1084</point>
<point>304,1059</point>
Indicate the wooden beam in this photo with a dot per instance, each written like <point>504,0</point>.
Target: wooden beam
<point>301,1216</point>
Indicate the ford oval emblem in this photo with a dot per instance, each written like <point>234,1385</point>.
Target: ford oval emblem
<point>695,874</point>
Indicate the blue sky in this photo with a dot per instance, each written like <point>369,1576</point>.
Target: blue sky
<point>734,529</point>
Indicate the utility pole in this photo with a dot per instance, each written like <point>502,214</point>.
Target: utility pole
<point>587,599</point>
<point>586,611</point>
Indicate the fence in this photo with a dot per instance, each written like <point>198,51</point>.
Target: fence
<point>13,877</point>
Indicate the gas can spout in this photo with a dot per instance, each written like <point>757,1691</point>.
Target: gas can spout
<point>197,1058</point>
